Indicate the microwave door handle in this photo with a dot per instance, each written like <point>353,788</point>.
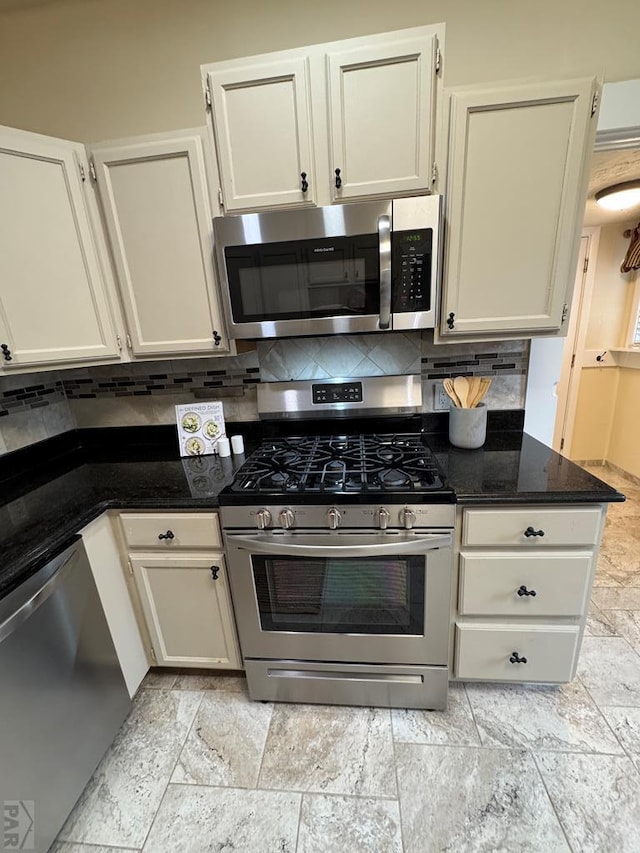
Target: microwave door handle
<point>384,244</point>
<point>284,546</point>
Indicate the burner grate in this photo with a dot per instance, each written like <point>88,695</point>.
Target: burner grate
<point>340,464</point>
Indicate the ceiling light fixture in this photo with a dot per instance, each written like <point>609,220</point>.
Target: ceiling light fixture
<point>620,196</point>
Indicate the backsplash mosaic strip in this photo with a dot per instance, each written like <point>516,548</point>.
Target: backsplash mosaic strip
<point>474,359</point>
<point>191,376</point>
<point>33,395</point>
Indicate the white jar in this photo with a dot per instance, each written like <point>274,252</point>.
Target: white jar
<point>468,427</point>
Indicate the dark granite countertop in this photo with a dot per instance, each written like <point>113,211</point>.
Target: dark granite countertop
<point>50,491</point>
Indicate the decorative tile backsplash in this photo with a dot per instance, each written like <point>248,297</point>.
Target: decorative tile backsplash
<point>32,407</point>
<point>340,355</point>
<point>34,394</point>
<point>36,406</point>
<point>190,376</point>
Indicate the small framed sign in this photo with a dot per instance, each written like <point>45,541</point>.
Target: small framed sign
<point>200,427</point>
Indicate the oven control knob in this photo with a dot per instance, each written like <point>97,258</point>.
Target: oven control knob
<point>383,518</point>
<point>263,517</point>
<point>287,518</point>
<point>409,517</point>
<point>334,518</point>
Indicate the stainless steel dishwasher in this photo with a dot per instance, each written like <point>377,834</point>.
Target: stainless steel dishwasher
<point>62,697</point>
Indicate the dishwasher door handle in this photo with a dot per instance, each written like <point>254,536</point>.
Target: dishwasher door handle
<point>327,546</point>
<point>29,607</point>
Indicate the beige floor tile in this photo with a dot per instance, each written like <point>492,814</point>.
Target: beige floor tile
<point>192,819</point>
<point>626,624</point>
<point>453,726</point>
<point>625,723</point>
<point>597,623</point>
<point>597,798</point>
<point>610,670</point>
<point>332,824</point>
<point>329,749</point>
<point>229,683</point>
<point>120,802</point>
<point>470,799</point>
<point>225,743</point>
<point>617,598</point>
<point>563,718</point>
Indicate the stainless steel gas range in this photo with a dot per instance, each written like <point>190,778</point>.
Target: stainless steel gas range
<point>340,550</point>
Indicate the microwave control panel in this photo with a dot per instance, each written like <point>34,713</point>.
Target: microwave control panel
<point>411,270</point>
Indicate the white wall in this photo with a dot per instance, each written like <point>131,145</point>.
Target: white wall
<point>99,69</point>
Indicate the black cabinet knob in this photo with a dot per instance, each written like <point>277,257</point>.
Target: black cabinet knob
<point>524,591</point>
<point>168,535</point>
<point>214,572</point>
<point>531,532</point>
<point>305,183</point>
<point>216,338</point>
<point>338,179</point>
<point>6,352</point>
<point>515,658</point>
<point>450,319</point>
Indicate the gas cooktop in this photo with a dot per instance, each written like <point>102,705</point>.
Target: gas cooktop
<point>337,466</point>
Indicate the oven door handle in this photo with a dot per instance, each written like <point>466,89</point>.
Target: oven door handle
<point>384,247</point>
<point>327,547</point>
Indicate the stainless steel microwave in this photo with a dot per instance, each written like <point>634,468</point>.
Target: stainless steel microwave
<point>362,267</point>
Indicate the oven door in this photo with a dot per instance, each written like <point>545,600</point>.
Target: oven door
<point>359,597</point>
<point>307,272</point>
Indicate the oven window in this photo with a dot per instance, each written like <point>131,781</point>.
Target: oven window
<point>327,277</point>
<point>379,595</point>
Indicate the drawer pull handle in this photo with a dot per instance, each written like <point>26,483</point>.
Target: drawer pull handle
<point>168,535</point>
<point>214,572</point>
<point>515,658</point>
<point>531,532</point>
<point>524,591</point>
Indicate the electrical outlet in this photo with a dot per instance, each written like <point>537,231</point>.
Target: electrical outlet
<point>441,400</point>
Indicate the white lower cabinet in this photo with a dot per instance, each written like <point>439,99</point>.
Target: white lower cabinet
<point>515,652</point>
<point>187,606</point>
<point>101,545</point>
<point>525,574</point>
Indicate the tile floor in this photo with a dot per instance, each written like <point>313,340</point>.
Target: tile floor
<point>197,767</point>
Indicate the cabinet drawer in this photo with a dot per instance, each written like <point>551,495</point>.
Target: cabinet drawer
<point>491,584</point>
<point>484,652</point>
<point>170,530</point>
<point>578,526</point>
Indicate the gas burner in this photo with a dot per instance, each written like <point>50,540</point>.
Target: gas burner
<point>340,464</point>
<point>394,479</point>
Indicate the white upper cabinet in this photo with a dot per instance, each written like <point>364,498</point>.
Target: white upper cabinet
<point>158,216</point>
<point>518,164</point>
<point>262,125</point>
<point>363,106</point>
<point>382,106</point>
<point>53,287</point>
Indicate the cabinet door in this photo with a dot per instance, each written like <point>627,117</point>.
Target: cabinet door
<point>156,204</point>
<point>516,193</point>
<point>381,103</point>
<point>53,297</point>
<point>187,605</point>
<point>262,124</point>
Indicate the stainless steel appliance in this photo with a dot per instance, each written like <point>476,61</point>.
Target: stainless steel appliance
<point>62,697</point>
<point>327,270</point>
<point>340,552</point>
